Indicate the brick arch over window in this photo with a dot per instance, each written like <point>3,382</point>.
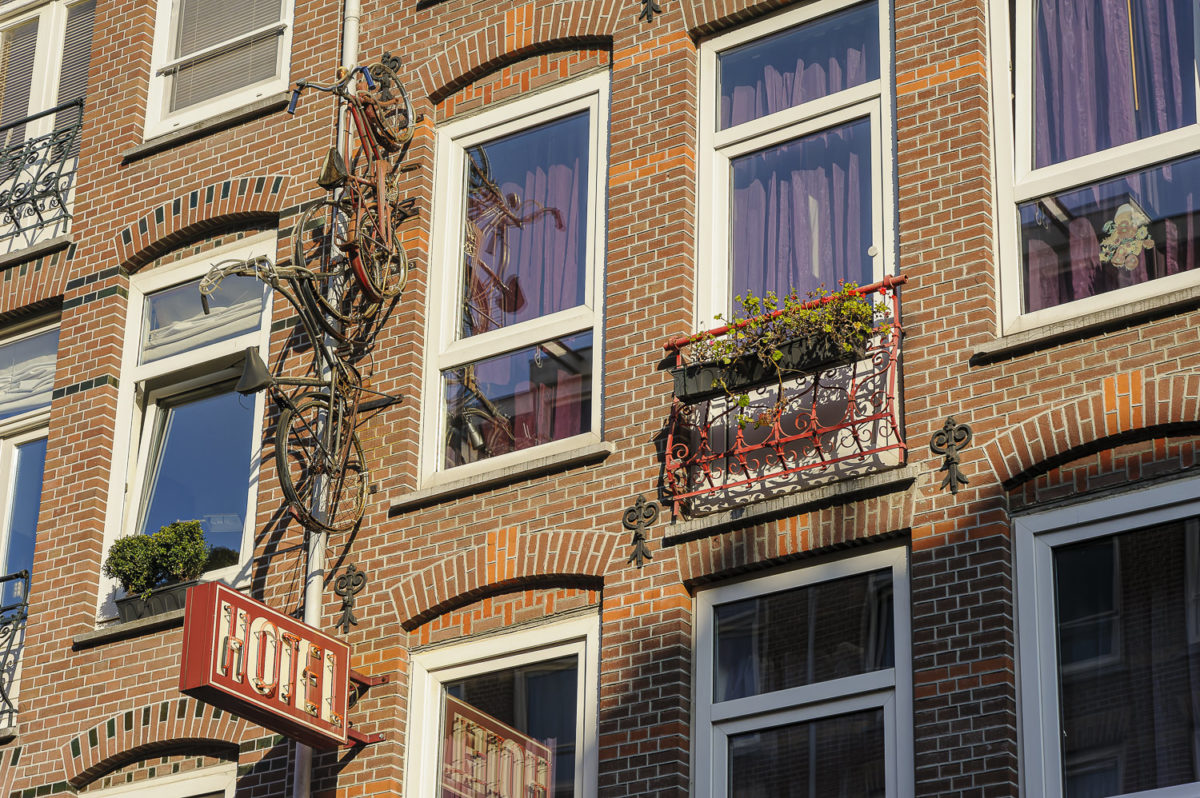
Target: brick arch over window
<point>1130,406</point>
<point>706,16</point>
<point>135,734</point>
<point>524,31</point>
<point>506,559</point>
<point>192,213</point>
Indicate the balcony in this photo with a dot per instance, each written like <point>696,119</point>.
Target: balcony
<point>37,175</point>
<point>14,610</point>
<point>834,422</point>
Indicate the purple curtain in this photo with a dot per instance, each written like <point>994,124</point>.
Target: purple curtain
<point>1104,78</point>
<point>799,64</point>
<point>801,215</point>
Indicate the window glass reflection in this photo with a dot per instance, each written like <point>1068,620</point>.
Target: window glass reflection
<point>28,466</point>
<point>27,373</point>
<point>517,400</point>
<point>174,319</point>
<point>810,634</point>
<point>525,232</point>
<point>200,466</point>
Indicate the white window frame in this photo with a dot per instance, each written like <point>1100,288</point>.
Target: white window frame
<point>889,689</point>
<point>1018,182</point>
<point>189,370</point>
<point>589,93</point>
<point>579,637</point>
<point>160,120</point>
<point>1035,538</point>
<point>52,22</point>
<point>190,783</point>
<point>15,431</point>
<point>717,148</point>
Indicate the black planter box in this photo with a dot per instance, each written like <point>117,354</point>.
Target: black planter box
<point>162,599</point>
<point>698,381</point>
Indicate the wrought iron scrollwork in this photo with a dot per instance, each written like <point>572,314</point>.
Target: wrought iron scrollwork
<point>348,586</point>
<point>641,515</point>
<point>949,441</point>
<point>13,614</point>
<point>36,174</point>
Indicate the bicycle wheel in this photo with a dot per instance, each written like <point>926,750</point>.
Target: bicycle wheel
<point>326,486</point>
<point>320,243</point>
<point>384,262</point>
<point>390,113</point>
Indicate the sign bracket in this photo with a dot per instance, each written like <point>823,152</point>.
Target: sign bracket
<point>363,681</point>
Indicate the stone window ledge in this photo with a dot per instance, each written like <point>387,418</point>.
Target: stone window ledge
<point>228,119</point>
<point>1093,324</point>
<point>111,633</point>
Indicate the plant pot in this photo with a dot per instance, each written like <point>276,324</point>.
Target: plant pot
<point>161,600</point>
<point>698,381</point>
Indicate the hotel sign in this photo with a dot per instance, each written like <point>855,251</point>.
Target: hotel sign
<point>244,657</point>
<point>484,758</point>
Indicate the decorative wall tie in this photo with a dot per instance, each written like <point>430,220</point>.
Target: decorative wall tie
<point>949,441</point>
<point>649,9</point>
<point>347,586</point>
<point>641,515</point>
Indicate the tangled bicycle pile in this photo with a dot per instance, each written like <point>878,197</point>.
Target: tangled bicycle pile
<point>347,267</point>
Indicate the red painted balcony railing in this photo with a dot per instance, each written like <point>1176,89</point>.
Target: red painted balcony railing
<point>840,421</point>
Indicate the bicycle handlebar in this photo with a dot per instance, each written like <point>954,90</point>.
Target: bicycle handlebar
<point>338,87</point>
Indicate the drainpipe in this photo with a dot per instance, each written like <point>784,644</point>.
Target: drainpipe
<point>315,576</point>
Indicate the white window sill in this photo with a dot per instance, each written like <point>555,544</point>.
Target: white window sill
<point>110,633</point>
<point>453,488</point>
<point>251,110</point>
<point>1092,324</point>
<point>35,250</point>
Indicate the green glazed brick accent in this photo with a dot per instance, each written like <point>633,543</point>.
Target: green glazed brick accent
<point>86,385</point>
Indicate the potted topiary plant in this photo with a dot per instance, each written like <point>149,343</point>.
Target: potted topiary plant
<point>770,341</point>
<point>156,570</point>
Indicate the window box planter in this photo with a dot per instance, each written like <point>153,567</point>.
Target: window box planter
<point>161,600</point>
<point>699,381</point>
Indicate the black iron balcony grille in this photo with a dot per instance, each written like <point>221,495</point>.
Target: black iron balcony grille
<point>13,615</point>
<point>36,175</point>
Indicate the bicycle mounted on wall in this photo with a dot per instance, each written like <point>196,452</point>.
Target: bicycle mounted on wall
<point>348,266</point>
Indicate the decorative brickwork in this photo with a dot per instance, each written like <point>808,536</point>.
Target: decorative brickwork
<point>507,559</point>
<point>128,736</point>
<point>222,204</point>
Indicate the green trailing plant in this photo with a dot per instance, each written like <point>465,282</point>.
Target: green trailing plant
<point>175,553</point>
<point>762,336</point>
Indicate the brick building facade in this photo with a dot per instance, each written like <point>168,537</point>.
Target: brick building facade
<point>1013,610</point>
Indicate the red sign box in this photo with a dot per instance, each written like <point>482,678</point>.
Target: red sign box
<point>485,758</point>
<point>244,657</point>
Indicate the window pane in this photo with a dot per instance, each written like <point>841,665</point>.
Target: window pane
<point>525,233</point>
<point>840,756</point>
<point>1129,680</point>
<point>810,634</point>
<point>27,373</point>
<point>174,319</point>
<point>802,213</point>
<point>1107,236</point>
<point>29,466</point>
<point>517,400</point>
<point>199,467</point>
<point>75,59</point>
<point>228,70</point>
<point>16,79</point>
<point>804,63</point>
<point>1108,72</point>
<point>538,700</point>
<point>206,23</point>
